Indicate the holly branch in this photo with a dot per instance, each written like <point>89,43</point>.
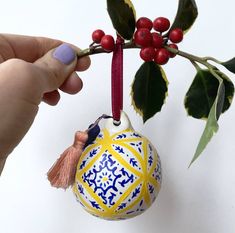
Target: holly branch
<point>211,91</point>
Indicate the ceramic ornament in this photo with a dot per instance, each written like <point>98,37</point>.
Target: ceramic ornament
<point>115,173</point>
<point>118,175</point>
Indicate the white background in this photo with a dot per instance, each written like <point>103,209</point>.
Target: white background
<point>199,199</point>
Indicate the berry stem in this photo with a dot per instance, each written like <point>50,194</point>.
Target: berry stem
<point>97,49</point>
<point>92,44</point>
<point>193,58</point>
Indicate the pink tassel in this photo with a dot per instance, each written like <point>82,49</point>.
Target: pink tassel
<point>62,173</point>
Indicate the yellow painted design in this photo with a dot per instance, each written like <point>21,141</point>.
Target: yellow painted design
<point>84,153</point>
<point>123,162</point>
<point>121,132</point>
<point>126,194</point>
<point>133,151</point>
<point>154,182</point>
<point>94,196</point>
<point>134,202</point>
<point>90,164</point>
<point>104,179</point>
<point>88,207</point>
<point>142,177</point>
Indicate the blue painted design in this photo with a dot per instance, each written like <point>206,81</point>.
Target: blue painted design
<point>81,203</point>
<point>137,145</point>
<point>122,206</point>
<point>110,198</point>
<point>95,205</point>
<point>104,158</point>
<point>109,177</point>
<point>150,160</point>
<point>93,152</point>
<point>86,176</point>
<point>82,164</point>
<point>157,172</point>
<point>151,188</point>
<point>136,192</point>
<point>105,178</point>
<point>130,178</point>
<point>136,135</point>
<point>130,212</point>
<point>119,149</point>
<point>121,136</point>
<point>80,189</point>
<point>133,162</point>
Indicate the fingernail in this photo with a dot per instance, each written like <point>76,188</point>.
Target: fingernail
<point>64,53</point>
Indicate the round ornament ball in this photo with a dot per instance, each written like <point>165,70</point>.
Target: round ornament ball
<point>118,175</point>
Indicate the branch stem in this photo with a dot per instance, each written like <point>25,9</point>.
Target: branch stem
<point>193,58</point>
<point>212,59</point>
<point>97,49</point>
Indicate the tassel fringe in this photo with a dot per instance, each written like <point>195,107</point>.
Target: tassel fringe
<point>62,173</point>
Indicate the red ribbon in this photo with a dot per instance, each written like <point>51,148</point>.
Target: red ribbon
<point>117,80</point>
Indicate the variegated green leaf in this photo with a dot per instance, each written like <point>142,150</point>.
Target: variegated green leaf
<point>149,90</point>
<point>122,14</point>
<point>186,15</point>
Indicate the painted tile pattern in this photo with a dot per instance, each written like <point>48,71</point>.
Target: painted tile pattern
<point>118,176</point>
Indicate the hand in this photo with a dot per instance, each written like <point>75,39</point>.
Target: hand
<point>31,70</point>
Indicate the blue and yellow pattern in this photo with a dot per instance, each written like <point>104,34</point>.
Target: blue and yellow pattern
<point>118,176</point>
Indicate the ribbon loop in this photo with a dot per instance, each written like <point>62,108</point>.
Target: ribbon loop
<point>117,80</point>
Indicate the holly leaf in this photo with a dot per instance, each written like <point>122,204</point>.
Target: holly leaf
<point>203,92</point>
<point>122,14</point>
<point>212,124</point>
<point>186,15</point>
<point>230,65</point>
<point>149,90</point>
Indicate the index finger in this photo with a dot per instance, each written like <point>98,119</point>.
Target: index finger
<point>30,49</point>
<point>27,48</point>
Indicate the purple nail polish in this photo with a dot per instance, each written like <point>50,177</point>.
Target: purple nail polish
<point>64,53</point>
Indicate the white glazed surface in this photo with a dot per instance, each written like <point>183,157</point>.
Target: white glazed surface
<point>119,176</point>
<point>124,124</point>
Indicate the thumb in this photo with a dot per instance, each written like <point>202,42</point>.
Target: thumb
<point>57,65</point>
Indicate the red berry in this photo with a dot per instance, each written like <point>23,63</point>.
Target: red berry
<point>174,46</point>
<point>144,22</point>
<point>162,56</point>
<point>143,37</point>
<point>176,35</point>
<point>161,24</point>
<point>157,40</point>
<point>147,54</point>
<point>97,35</point>
<point>107,43</point>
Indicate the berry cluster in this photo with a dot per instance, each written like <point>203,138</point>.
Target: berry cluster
<point>106,41</point>
<point>152,43</point>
